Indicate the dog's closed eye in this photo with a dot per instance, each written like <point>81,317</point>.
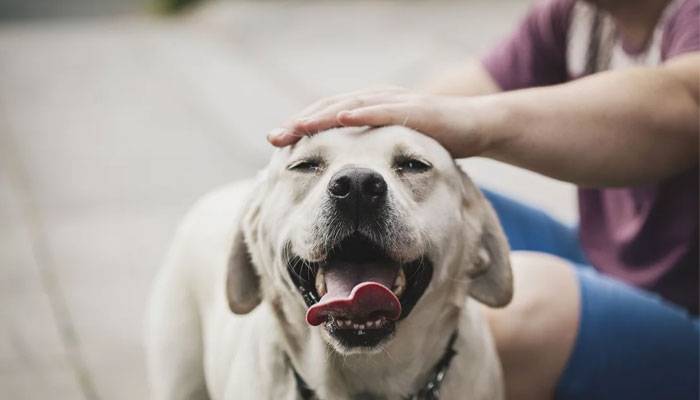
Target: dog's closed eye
<point>410,164</point>
<point>307,165</point>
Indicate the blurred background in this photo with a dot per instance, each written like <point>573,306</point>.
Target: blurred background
<point>115,115</point>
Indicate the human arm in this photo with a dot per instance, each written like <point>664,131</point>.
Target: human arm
<point>469,78</point>
<point>611,129</point>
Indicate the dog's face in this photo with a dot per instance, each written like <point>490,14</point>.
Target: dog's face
<point>351,228</point>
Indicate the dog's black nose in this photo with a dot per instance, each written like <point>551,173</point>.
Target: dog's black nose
<point>356,189</point>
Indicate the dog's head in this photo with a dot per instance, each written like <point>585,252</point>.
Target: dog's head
<point>351,228</point>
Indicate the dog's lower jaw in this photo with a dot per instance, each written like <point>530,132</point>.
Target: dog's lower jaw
<point>375,346</point>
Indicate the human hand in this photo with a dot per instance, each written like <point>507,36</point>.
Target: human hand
<point>450,120</point>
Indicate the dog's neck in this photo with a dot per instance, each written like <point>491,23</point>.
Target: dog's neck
<point>398,370</point>
<point>430,390</point>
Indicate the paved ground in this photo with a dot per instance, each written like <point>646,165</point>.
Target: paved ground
<point>109,128</point>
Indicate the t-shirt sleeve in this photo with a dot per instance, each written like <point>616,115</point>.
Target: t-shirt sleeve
<point>682,31</point>
<point>535,54</point>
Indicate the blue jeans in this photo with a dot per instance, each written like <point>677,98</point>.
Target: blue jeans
<point>630,344</point>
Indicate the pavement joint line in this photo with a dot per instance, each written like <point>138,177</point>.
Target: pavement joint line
<point>45,265</point>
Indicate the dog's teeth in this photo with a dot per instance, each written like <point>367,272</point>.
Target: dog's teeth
<point>356,326</point>
<point>321,282</point>
<point>370,324</point>
<point>399,283</point>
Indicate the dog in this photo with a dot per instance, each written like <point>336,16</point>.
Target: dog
<point>345,270</point>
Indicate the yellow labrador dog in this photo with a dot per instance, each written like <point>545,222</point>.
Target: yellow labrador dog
<point>345,271</point>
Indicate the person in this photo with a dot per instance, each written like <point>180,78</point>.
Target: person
<point>604,94</point>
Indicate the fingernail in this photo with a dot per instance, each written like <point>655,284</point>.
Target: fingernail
<point>276,133</point>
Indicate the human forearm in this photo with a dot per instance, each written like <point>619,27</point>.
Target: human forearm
<point>469,78</point>
<point>612,129</point>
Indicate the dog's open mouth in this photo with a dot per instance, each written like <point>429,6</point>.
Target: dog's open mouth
<point>359,292</point>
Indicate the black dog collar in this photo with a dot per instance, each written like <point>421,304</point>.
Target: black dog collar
<point>431,390</point>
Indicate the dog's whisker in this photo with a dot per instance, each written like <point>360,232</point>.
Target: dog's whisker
<point>295,266</point>
<point>405,120</point>
<point>387,353</point>
<point>308,269</point>
<point>459,280</point>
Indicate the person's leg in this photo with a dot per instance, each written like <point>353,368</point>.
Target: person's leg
<point>528,228</point>
<point>535,333</point>
<point>572,333</point>
<point>631,344</point>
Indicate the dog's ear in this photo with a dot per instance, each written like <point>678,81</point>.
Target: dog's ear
<point>242,279</point>
<point>492,278</point>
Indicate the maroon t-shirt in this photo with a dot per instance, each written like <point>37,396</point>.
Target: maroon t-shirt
<point>644,235</point>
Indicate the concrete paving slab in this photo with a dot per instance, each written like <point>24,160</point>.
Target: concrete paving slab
<point>28,336</point>
<point>110,122</point>
<point>106,260</point>
<point>232,87</point>
<point>31,344</point>
<point>54,384</point>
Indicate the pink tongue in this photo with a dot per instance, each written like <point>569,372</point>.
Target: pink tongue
<point>357,292</point>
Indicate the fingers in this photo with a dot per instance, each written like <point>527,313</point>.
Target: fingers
<point>328,117</point>
<point>383,114</point>
<point>283,137</point>
<point>322,115</point>
<point>324,103</point>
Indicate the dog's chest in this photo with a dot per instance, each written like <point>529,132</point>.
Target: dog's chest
<point>246,361</point>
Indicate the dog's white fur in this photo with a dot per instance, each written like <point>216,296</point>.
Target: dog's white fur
<point>227,256</point>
